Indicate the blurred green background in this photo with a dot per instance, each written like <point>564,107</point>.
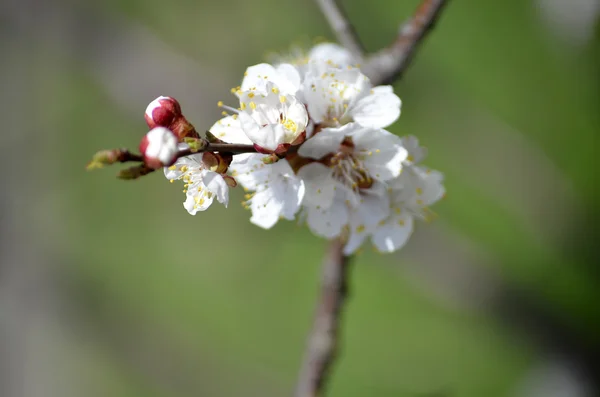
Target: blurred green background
<point>109,288</point>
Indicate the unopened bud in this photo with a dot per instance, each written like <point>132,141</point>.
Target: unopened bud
<point>165,111</point>
<point>159,148</point>
<point>162,111</point>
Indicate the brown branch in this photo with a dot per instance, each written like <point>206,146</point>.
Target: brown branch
<point>384,66</point>
<point>324,337</point>
<point>388,64</point>
<point>112,156</point>
<point>341,26</point>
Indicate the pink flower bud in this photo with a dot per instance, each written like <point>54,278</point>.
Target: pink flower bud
<point>162,111</point>
<point>159,148</point>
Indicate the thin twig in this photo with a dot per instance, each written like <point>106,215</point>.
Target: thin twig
<point>341,26</point>
<point>235,148</point>
<point>388,64</point>
<point>324,337</point>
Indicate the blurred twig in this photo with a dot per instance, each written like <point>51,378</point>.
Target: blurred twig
<point>323,339</point>
<point>341,26</point>
<point>388,64</point>
<point>384,66</point>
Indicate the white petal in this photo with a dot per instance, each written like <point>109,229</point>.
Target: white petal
<point>370,211</point>
<point>416,153</point>
<point>319,185</point>
<point>195,202</point>
<point>265,209</point>
<point>288,79</point>
<point>215,184</point>
<point>285,77</point>
<point>175,171</point>
<point>268,137</point>
<point>294,194</point>
<point>254,77</point>
<point>393,234</point>
<point>296,112</point>
<point>385,164</point>
<point>229,130</point>
<point>336,54</point>
<point>327,223</point>
<point>325,142</point>
<point>250,171</point>
<point>377,110</point>
<point>382,152</point>
<point>354,242</point>
<point>330,92</point>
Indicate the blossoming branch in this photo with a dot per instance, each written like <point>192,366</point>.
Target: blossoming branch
<point>306,140</point>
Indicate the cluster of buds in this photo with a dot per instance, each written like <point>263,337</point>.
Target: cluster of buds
<point>165,112</point>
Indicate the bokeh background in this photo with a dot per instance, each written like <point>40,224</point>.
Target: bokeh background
<point>109,288</point>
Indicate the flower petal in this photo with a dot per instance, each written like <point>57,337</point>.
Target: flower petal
<point>197,202</point>
<point>319,185</point>
<point>393,234</point>
<point>288,79</point>
<point>325,142</point>
<point>229,130</point>
<point>285,77</point>
<point>379,109</point>
<point>381,152</point>
<point>268,136</point>
<point>254,77</point>
<point>327,223</point>
<point>265,209</point>
<point>215,184</point>
<point>333,54</point>
<point>355,240</point>
<point>416,153</point>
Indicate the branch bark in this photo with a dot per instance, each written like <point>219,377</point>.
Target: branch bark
<point>388,64</point>
<point>323,340</point>
<point>341,26</point>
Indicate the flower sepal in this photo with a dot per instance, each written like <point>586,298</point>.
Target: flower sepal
<point>215,162</point>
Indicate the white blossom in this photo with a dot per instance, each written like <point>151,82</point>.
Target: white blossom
<point>202,185</point>
<point>410,196</point>
<point>414,191</point>
<point>268,117</point>
<point>276,192</point>
<point>336,96</point>
<point>356,157</point>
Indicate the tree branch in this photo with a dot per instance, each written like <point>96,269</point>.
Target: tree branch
<point>341,26</point>
<point>388,64</point>
<point>112,156</point>
<point>384,66</point>
<point>324,337</point>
